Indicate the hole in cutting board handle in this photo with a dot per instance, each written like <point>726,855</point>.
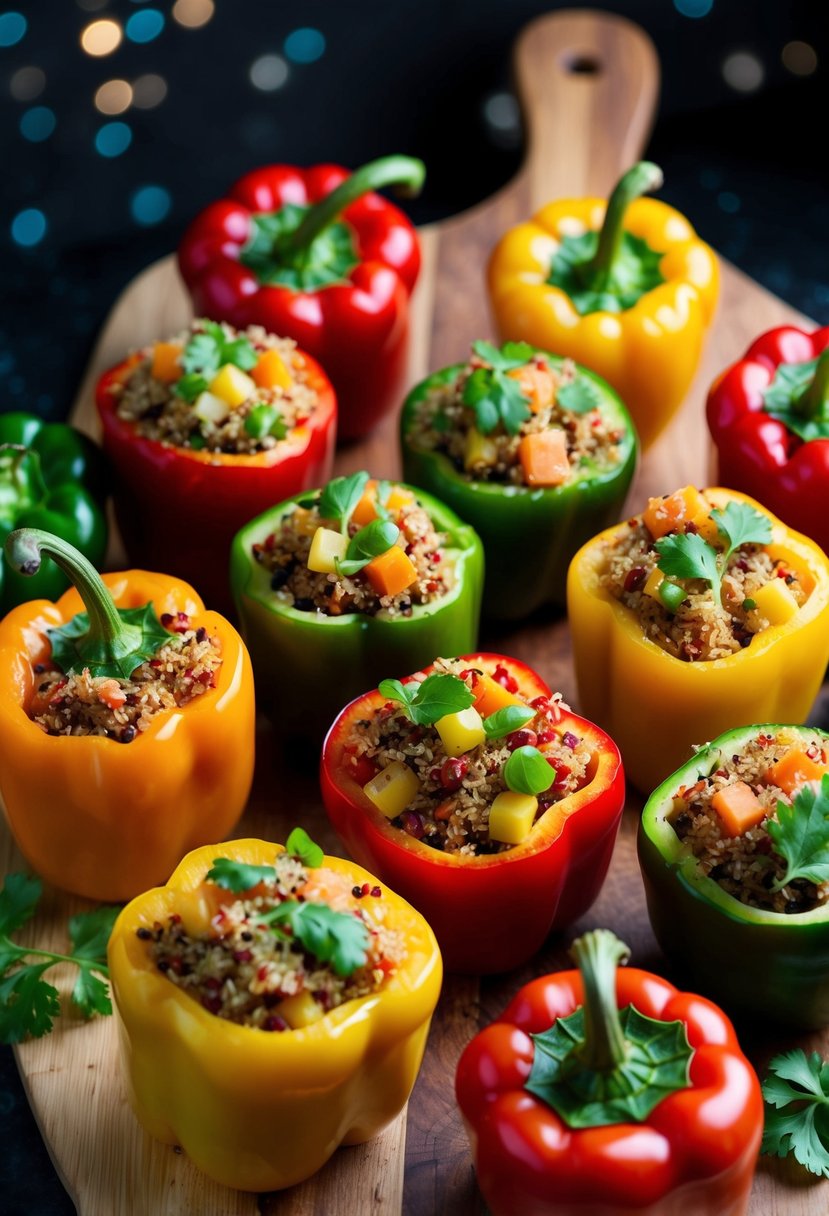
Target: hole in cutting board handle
<point>581,63</point>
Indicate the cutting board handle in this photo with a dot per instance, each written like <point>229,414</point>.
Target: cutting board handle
<point>588,83</point>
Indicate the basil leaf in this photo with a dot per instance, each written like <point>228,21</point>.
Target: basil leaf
<point>429,700</point>
<point>505,721</point>
<point>372,540</point>
<point>339,498</point>
<point>299,844</point>
<point>527,771</point>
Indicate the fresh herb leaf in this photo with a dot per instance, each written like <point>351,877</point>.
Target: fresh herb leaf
<point>801,835</point>
<point>190,387</point>
<point>299,844</point>
<point>28,1005</point>
<point>18,900</point>
<point>91,994</point>
<point>796,1092</point>
<point>426,702</point>
<point>739,524</point>
<point>527,771</point>
<point>71,654</point>
<point>578,396</point>
<point>687,555</point>
<point>505,721</point>
<point>372,540</point>
<point>201,356</point>
<point>339,498</point>
<point>238,876</point>
<point>206,352</point>
<point>338,938</point>
<point>493,395</point>
<point>89,933</point>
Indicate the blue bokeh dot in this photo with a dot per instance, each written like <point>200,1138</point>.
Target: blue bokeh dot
<point>150,205</point>
<point>28,227</point>
<point>37,124</point>
<point>305,45</point>
<point>6,362</point>
<point>12,28</point>
<point>693,8</point>
<point>144,26</point>
<point>113,138</point>
<point>728,201</point>
<point>16,384</point>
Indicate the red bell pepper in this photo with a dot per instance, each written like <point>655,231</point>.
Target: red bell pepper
<point>601,1093</point>
<point>315,256</point>
<point>178,509</point>
<point>492,912</point>
<point>769,418</point>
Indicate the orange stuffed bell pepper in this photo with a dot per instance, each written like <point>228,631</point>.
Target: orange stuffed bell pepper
<point>624,287</point>
<point>257,1057</point>
<point>126,731</point>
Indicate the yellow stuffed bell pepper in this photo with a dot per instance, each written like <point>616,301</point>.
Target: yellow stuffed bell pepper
<point>624,287</point>
<point>736,608</point>
<point>262,1102</point>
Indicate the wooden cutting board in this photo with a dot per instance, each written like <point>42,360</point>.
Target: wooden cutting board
<point>588,83</point>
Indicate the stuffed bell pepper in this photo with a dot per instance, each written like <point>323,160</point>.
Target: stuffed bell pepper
<point>769,418</point>
<point>335,589</point>
<point>624,286</point>
<point>603,1092</point>
<point>702,614</point>
<point>205,431</point>
<point>126,724</point>
<point>474,791</point>
<point>734,851</point>
<point>316,255</point>
<point>532,451</point>
<point>272,1004</point>
<point>52,477</point>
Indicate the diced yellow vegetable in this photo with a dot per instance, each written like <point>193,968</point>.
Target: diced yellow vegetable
<point>480,449</point>
<point>653,582</point>
<point>299,1010</point>
<point>392,789</point>
<point>511,816</point>
<point>461,732</point>
<point>232,384</point>
<point>210,408</point>
<point>304,522</point>
<point>775,602</point>
<point>706,528</point>
<point>327,548</point>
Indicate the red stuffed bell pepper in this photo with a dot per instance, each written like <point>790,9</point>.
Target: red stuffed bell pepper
<point>492,876</point>
<point>585,1101</point>
<point>769,418</point>
<point>317,256</point>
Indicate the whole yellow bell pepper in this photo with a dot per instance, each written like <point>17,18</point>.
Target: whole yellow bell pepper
<point>624,286</point>
<point>261,1110</point>
<point>657,707</point>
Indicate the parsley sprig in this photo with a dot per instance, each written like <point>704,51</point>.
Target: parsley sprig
<point>686,555</point>
<point>28,1004</point>
<point>205,353</point>
<point>796,1093</point>
<point>426,702</point>
<point>239,876</point>
<point>494,396</point>
<point>801,835</point>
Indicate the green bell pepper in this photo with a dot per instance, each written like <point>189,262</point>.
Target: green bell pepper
<point>51,477</point>
<point>529,533</point>
<point>748,959</point>
<point>308,665</point>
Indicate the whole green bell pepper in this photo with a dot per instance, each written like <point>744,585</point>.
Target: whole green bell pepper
<point>529,533</point>
<point>51,477</point>
<point>748,959</point>
<point>308,665</point>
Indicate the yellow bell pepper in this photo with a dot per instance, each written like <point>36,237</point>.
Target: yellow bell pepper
<point>657,707</point>
<point>261,1110</point>
<point>633,303</point>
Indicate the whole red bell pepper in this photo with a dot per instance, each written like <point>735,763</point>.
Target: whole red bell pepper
<point>769,418</point>
<point>490,913</point>
<point>315,255</point>
<point>610,1093</point>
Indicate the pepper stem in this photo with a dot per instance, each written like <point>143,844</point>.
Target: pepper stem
<point>813,402</point>
<point>14,456</point>
<point>640,179</point>
<point>597,956</point>
<point>405,172</point>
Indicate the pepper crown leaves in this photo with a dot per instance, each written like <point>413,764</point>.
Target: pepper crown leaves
<point>527,771</point>
<point>338,938</point>
<point>801,835</point>
<point>339,498</point>
<point>796,1093</point>
<point>783,397</point>
<point>205,353</point>
<point>495,396</point>
<point>329,258</point>
<point>28,1004</point>
<point>505,721</point>
<point>429,700</point>
<point>686,555</point>
<point>71,653</point>
<point>635,272</point>
<point>372,540</point>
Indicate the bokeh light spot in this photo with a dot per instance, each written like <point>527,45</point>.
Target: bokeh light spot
<point>12,28</point>
<point>743,71</point>
<point>148,91</point>
<point>800,58</point>
<point>113,97</point>
<point>145,26</point>
<point>193,13</point>
<point>268,72</point>
<point>150,205</point>
<point>112,139</point>
<point>728,201</point>
<point>37,124</point>
<point>305,45</point>
<point>27,83</point>
<point>28,227</point>
<point>693,8</point>
<point>101,38</point>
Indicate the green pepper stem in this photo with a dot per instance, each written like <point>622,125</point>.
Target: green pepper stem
<point>108,636</point>
<point>813,402</point>
<point>597,956</point>
<point>640,179</point>
<point>405,172</point>
<point>18,454</point>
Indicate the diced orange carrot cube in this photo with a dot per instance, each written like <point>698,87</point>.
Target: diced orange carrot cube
<point>490,696</point>
<point>793,770</point>
<point>543,456</point>
<point>271,372</point>
<point>166,366</point>
<point>391,572</point>
<point>738,808</point>
<point>674,511</point>
<point>536,383</point>
<point>366,510</point>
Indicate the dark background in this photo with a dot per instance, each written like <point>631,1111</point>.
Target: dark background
<point>87,204</point>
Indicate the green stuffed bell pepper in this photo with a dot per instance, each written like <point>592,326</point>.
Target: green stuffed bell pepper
<point>534,451</point>
<point>337,588</point>
<point>734,853</point>
<point>51,477</point>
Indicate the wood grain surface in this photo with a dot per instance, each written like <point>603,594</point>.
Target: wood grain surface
<point>588,83</point>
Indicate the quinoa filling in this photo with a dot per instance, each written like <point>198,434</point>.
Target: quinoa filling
<point>747,865</point>
<point>81,704</point>
<point>218,389</point>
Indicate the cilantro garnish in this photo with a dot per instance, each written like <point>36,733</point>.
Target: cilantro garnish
<point>505,721</point>
<point>426,702</point>
<point>338,938</point>
<point>578,396</point>
<point>494,396</point>
<point>372,540</point>
<point>527,771</point>
<point>28,1004</point>
<point>686,555</point>
<point>212,348</point>
<point>238,876</point>
<point>801,835</point>
<point>796,1092</point>
<point>339,498</point>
